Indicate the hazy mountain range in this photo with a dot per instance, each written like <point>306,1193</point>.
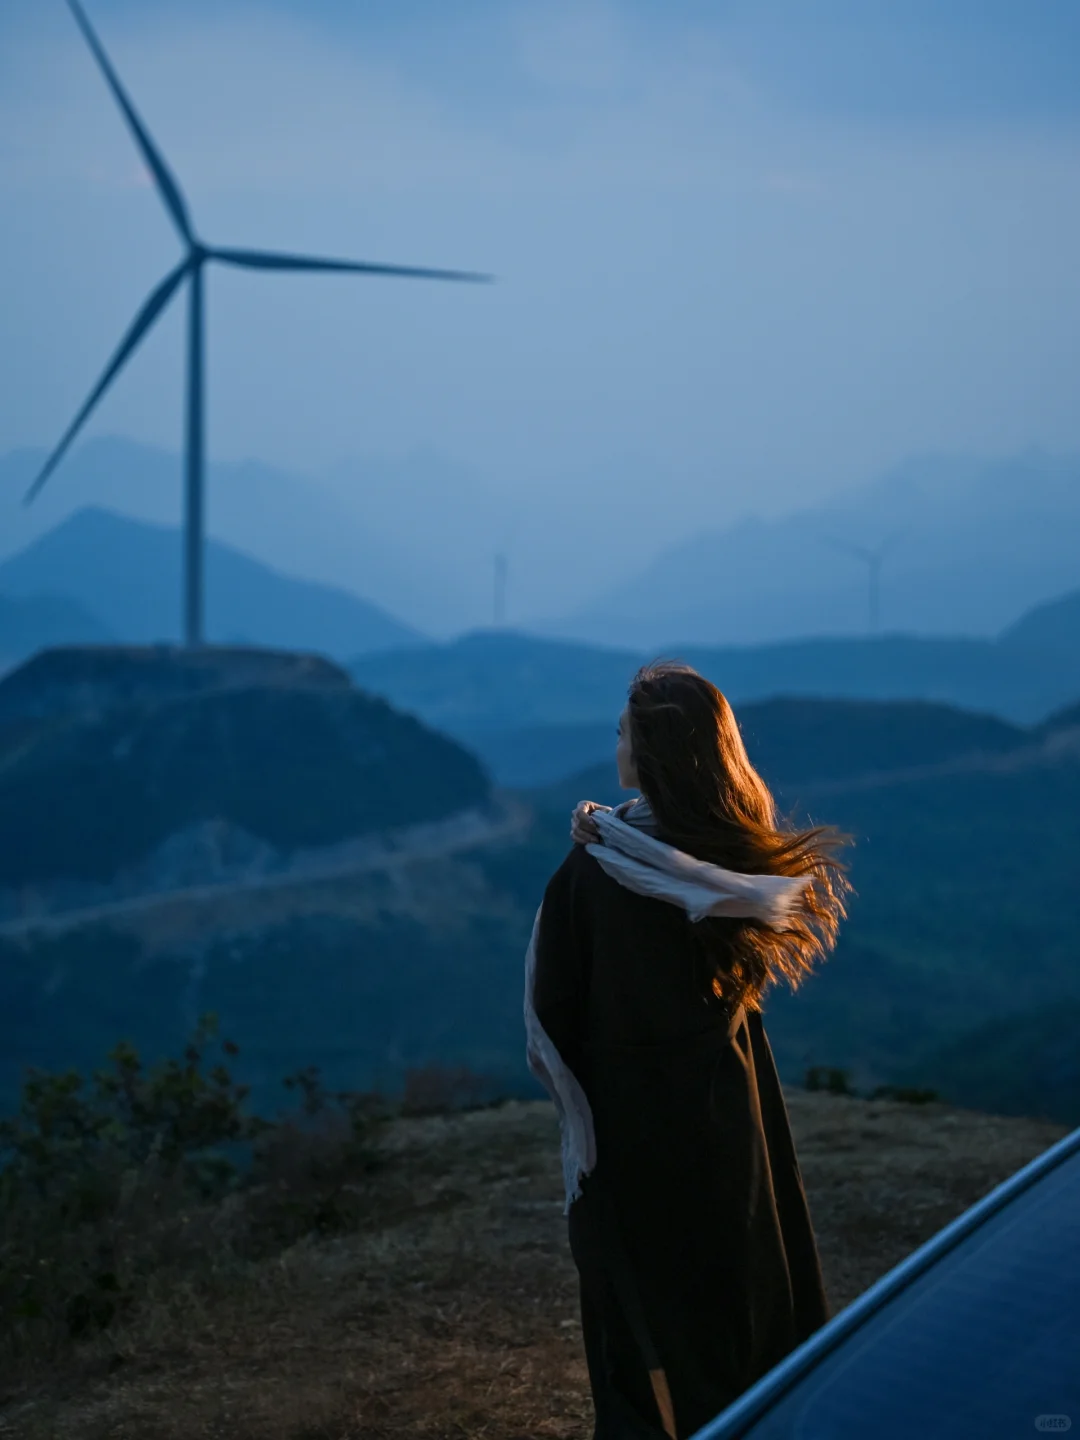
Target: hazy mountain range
<point>32,624</point>
<point>537,709</point>
<point>534,708</point>
<point>970,544</point>
<point>124,575</point>
<point>415,535</point>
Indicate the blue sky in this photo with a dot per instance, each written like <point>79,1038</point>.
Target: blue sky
<point>747,253</point>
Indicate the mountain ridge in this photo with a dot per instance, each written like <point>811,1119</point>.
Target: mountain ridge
<point>975,541</point>
<point>498,691</point>
<point>353,526</point>
<point>970,544</point>
<point>128,574</point>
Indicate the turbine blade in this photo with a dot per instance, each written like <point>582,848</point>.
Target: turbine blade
<point>273,260</point>
<point>152,308</point>
<point>166,183</point>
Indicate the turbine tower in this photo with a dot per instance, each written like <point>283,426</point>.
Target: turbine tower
<point>190,269</point>
<point>499,598</point>
<point>871,558</point>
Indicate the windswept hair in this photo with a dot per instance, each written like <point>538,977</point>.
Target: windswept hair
<point>709,801</point>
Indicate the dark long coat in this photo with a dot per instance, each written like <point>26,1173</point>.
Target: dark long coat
<point>694,1225</point>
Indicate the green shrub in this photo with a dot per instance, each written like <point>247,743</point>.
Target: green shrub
<point>828,1077</point>
<point>306,1167</point>
<point>106,1184</point>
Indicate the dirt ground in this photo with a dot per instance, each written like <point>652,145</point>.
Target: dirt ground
<point>453,1313</point>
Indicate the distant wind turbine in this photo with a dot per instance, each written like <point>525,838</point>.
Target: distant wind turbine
<point>502,571</point>
<point>190,268</point>
<point>499,598</point>
<point>872,559</point>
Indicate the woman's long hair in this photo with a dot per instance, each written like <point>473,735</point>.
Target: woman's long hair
<point>709,801</point>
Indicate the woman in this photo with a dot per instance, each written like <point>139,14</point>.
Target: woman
<point>656,941</point>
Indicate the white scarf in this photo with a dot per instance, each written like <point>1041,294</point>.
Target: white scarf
<point>644,864</point>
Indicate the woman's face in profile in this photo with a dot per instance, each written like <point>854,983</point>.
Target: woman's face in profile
<point>624,759</point>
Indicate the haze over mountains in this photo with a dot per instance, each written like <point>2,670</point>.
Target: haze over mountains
<point>29,625</point>
<point>970,546</point>
<point>538,706</point>
<point>126,574</point>
<point>537,709</point>
<point>973,545</point>
<point>413,535</point>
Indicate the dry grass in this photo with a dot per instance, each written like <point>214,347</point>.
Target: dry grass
<point>453,1312</point>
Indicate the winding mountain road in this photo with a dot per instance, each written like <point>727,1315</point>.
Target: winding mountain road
<point>387,851</point>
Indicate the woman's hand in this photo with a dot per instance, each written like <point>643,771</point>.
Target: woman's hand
<point>584,831</point>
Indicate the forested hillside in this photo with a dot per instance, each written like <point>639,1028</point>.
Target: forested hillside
<point>252,835</point>
<point>105,756</point>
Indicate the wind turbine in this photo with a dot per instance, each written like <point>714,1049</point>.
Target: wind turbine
<point>197,255</point>
<point>502,570</point>
<point>872,558</point>
<point>499,598</point>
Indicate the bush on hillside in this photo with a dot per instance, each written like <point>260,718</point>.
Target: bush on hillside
<point>829,1077</point>
<point>106,1186</point>
<point>837,1081</point>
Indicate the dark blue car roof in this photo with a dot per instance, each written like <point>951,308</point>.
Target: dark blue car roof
<point>977,1333</point>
